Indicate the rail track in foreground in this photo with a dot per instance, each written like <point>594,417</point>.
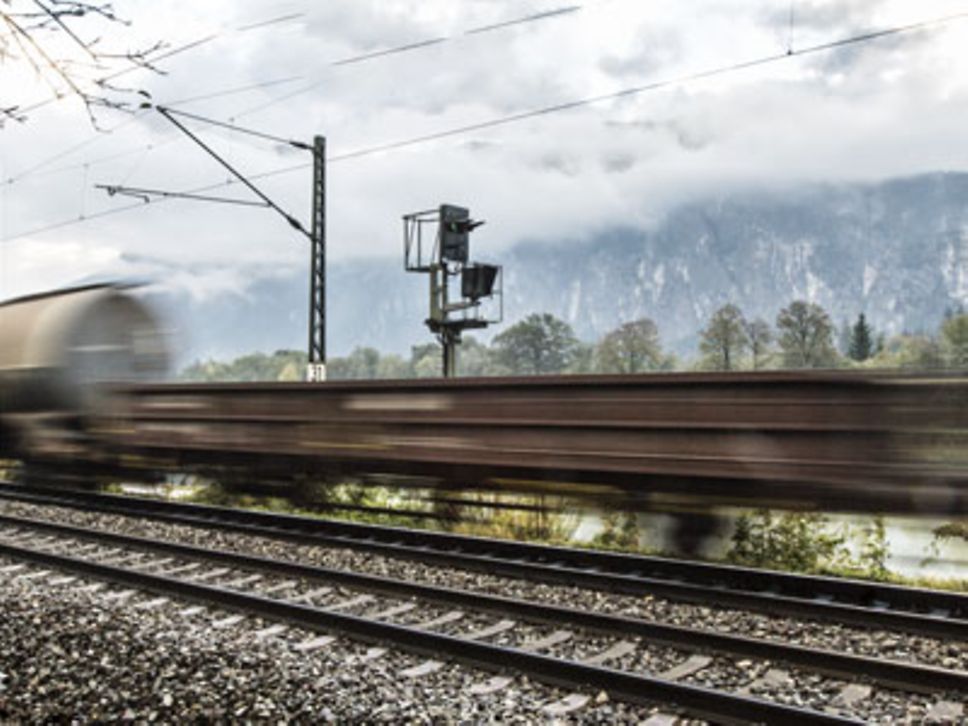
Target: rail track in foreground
<point>227,580</point>
<point>932,613</point>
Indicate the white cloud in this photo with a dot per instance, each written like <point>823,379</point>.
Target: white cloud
<point>891,107</point>
<point>26,266</point>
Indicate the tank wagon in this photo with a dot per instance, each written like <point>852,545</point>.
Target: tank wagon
<point>57,349</point>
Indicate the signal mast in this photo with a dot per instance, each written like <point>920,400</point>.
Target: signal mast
<point>444,256</point>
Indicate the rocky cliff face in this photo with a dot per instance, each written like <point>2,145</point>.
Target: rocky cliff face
<point>897,251</point>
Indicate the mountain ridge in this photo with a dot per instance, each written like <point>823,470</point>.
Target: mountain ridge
<point>895,250</point>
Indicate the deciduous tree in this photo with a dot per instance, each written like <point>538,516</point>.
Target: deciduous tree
<point>540,344</point>
<point>724,340</point>
<point>473,358</point>
<point>760,336</point>
<point>631,348</point>
<point>806,336</point>
<point>917,352</point>
<point>954,334</point>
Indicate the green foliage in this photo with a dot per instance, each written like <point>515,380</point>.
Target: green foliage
<point>583,360</point>
<point>874,549</point>
<point>544,525</point>
<point>724,340</point>
<point>361,364</point>
<point>313,500</point>
<point>807,543</point>
<point>474,358</point>
<point>280,366</point>
<point>954,334</point>
<point>952,530</point>
<point>540,344</point>
<point>620,531</point>
<point>844,333</point>
<point>631,348</point>
<point>861,340</point>
<point>425,361</point>
<point>392,367</point>
<point>806,336</point>
<point>760,337</point>
<point>10,470</point>
<point>918,352</point>
<point>790,541</point>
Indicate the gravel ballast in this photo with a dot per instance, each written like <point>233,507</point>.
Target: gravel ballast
<point>843,638</point>
<point>73,655</point>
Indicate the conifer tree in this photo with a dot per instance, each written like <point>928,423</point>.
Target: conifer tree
<point>861,340</point>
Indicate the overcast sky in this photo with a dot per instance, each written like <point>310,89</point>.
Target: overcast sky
<point>890,107</point>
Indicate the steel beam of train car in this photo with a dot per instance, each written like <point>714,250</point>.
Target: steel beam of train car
<point>842,441</point>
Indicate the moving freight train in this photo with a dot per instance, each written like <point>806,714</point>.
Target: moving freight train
<point>57,350</point>
<point>833,440</point>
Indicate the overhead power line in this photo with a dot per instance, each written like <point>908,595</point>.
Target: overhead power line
<point>234,90</point>
<point>379,54</point>
<point>164,53</point>
<point>418,45</point>
<point>29,171</point>
<point>39,167</point>
<point>279,81</point>
<point>526,19</point>
<point>653,86</point>
<point>549,110</point>
<point>271,21</point>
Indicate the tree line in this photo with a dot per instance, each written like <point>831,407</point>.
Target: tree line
<point>801,336</point>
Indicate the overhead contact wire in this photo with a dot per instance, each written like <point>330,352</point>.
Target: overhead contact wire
<point>566,106</point>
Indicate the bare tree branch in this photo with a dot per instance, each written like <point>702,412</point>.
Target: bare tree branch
<point>58,18</point>
<point>60,42</point>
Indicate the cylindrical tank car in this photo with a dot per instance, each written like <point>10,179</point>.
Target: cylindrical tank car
<point>56,347</point>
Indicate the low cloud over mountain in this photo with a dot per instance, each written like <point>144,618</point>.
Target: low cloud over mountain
<point>897,251</point>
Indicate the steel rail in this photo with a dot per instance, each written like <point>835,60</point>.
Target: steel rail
<point>746,588</point>
<point>915,677</point>
<point>701,701</point>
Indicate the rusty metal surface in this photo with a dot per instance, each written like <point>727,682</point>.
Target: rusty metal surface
<point>848,441</point>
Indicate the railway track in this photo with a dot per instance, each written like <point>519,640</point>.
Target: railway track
<point>931,613</point>
<point>567,647</point>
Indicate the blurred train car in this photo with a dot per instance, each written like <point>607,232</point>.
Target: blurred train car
<point>852,441</point>
<point>56,349</point>
<point>77,403</point>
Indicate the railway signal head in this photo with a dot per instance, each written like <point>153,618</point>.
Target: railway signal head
<point>455,227</point>
<point>477,280</point>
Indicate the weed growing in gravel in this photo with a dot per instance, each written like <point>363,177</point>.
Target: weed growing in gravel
<point>951,530</point>
<point>789,541</point>
<point>8,470</point>
<point>874,549</point>
<point>620,530</point>
<point>809,543</point>
<point>538,520</point>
